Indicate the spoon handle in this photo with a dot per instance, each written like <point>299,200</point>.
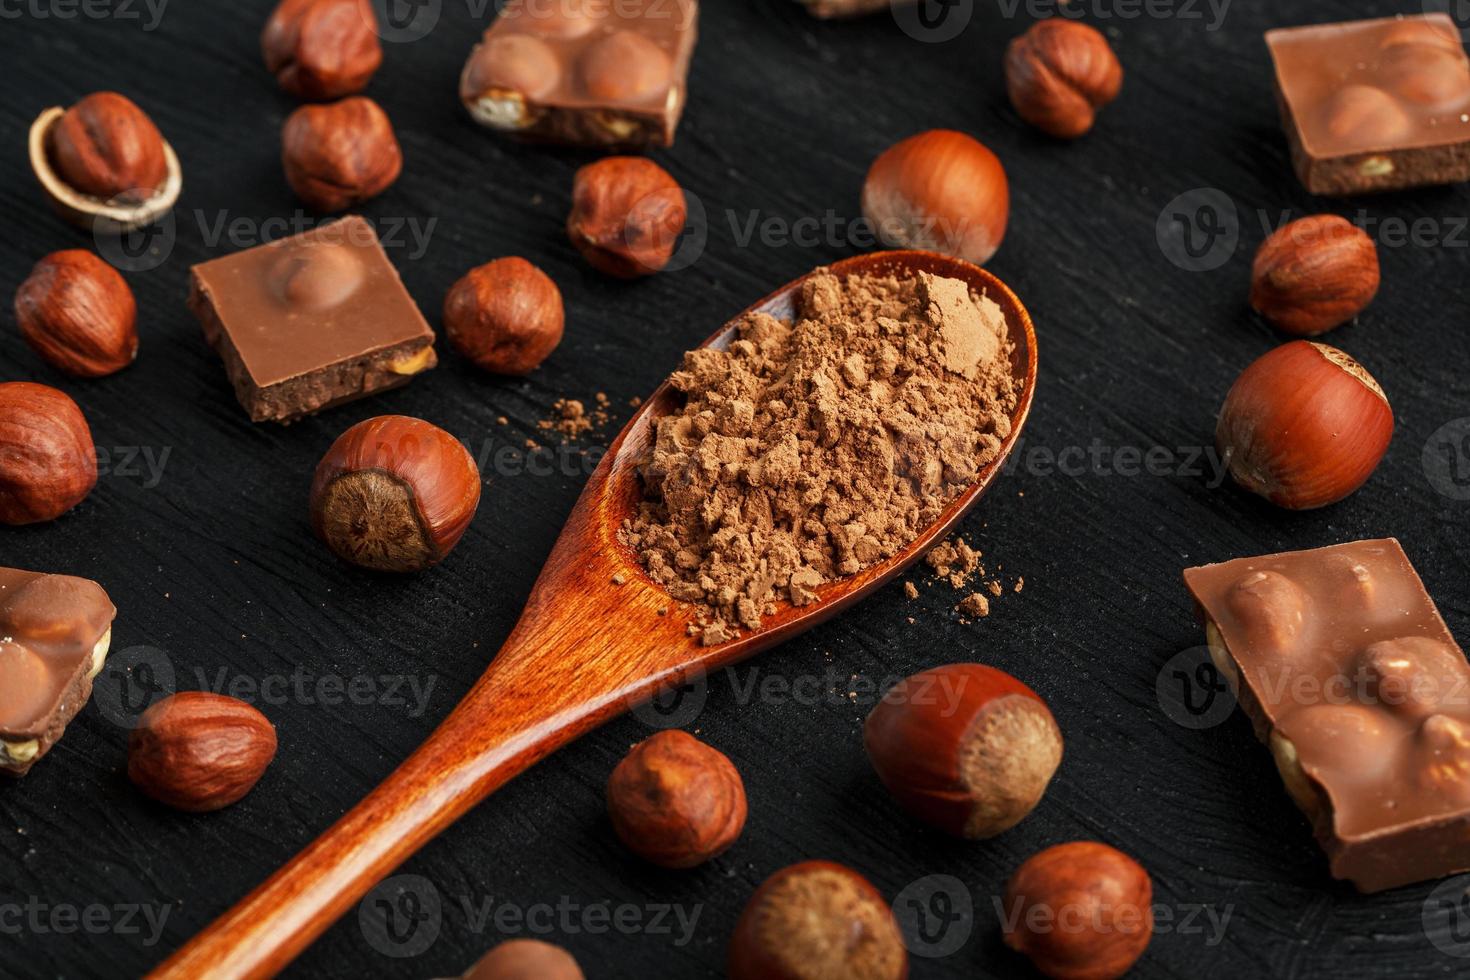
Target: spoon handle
<point>537,696</point>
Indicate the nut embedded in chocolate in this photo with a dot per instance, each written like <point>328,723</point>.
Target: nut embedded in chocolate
<point>311,321</point>
<point>341,154</point>
<point>55,631</point>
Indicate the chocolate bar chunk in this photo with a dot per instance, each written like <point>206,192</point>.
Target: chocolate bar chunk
<point>311,321</point>
<point>1374,105</point>
<point>1349,674</point>
<point>54,635</point>
<point>606,73</point>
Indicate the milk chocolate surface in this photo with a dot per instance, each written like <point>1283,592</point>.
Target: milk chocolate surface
<point>1349,674</point>
<point>54,633</point>
<point>1375,105</point>
<point>311,321</point>
<point>584,72</point>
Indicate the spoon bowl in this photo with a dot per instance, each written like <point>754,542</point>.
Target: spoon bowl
<point>585,650</point>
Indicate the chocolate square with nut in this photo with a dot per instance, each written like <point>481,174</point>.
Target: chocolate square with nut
<point>605,73</point>
<point>312,321</point>
<point>1374,105</point>
<point>1351,677</point>
<point>55,631</point>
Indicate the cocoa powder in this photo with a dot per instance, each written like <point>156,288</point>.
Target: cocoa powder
<point>808,451</point>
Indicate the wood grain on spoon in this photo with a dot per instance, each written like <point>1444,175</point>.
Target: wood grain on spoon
<point>585,650</point>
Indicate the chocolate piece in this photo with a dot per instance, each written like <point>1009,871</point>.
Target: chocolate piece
<point>607,73</point>
<point>1349,674</point>
<point>54,635</point>
<point>1374,105</point>
<point>313,321</point>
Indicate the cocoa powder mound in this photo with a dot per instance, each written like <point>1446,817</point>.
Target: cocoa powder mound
<point>808,451</point>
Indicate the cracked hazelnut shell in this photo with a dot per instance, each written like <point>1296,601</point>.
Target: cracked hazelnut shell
<point>1059,74</point>
<point>48,463</point>
<point>941,190</point>
<point>322,49</point>
<point>198,752</point>
<point>1314,274</point>
<point>394,494</point>
<point>964,747</point>
<point>1304,426</point>
<point>817,919</point>
<point>676,801</point>
<point>77,313</point>
<point>627,213</point>
<point>1079,911</point>
<point>340,154</point>
<point>505,316</point>
<point>104,165</point>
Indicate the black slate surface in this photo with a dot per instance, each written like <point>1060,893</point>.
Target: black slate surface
<point>220,584</point>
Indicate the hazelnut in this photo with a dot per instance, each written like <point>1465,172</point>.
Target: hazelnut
<point>675,801</point>
<point>1412,676</point>
<point>1271,609</point>
<point>817,919</point>
<point>200,752</point>
<point>1079,911</point>
<point>525,959</point>
<point>103,164</point>
<point>340,154</point>
<point>394,494</point>
<point>78,313</point>
<point>322,49</point>
<point>1425,63</point>
<point>107,147</point>
<point>1304,426</point>
<point>627,213</point>
<point>964,747</point>
<point>1059,73</point>
<point>505,316</point>
<point>48,463</point>
<point>1314,274</point>
<point>939,190</point>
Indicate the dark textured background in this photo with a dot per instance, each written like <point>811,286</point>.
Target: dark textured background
<point>215,570</point>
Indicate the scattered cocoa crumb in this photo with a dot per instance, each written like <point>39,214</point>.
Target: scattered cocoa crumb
<point>1020,583</point>
<point>635,401</point>
<point>663,610</point>
<point>502,420</point>
<point>910,591</point>
<point>532,444</point>
<point>601,398</point>
<point>808,451</point>
<point>953,559</point>
<point>619,579</point>
<point>975,605</point>
<point>995,588</point>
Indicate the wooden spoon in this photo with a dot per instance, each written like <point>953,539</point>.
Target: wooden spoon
<point>585,650</point>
